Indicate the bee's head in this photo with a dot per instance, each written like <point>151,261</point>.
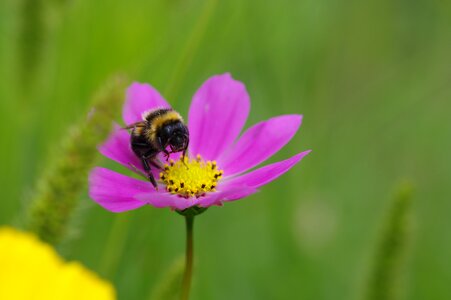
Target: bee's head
<point>175,136</point>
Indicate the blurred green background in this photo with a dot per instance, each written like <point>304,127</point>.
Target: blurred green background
<point>372,78</point>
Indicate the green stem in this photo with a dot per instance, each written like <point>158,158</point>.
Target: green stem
<point>189,258</point>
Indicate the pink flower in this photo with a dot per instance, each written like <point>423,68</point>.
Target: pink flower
<point>219,164</point>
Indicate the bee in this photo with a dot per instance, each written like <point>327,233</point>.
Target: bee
<point>160,129</point>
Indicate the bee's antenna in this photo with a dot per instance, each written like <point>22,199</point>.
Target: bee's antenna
<point>184,150</point>
<point>134,125</point>
<point>183,159</point>
<point>187,141</point>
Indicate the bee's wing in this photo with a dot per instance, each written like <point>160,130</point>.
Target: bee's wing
<point>134,125</point>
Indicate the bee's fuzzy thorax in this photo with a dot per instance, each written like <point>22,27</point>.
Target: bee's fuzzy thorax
<point>159,119</point>
<point>137,131</point>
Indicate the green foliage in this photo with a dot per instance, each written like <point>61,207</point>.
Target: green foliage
<point>31,36</point>
<point>57,191</point>
<point>115,245</point>
<point>386,278</point>
<point>168,288</point>
<point>370,77</point>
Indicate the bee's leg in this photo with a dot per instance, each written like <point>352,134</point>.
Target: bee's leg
<point>149,173</point>
<point>137,170</point>
<point>185,150</point>
<point>183,158</point>
<point>157,164</point>
<point>167,155</point>
<point>163,149</point>
<point>186,145</point>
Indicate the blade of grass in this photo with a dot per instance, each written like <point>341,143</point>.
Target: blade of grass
<point>168,288</point>
<point>386,275</point>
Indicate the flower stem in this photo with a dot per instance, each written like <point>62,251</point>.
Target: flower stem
<point>186,284</point>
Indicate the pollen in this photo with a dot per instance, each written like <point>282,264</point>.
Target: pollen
<point>191,177</point>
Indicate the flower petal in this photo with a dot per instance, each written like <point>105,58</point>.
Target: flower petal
<point>117,147</point>
<point>268,173</point>
<point>165,199</point>
<point>217,114</point>
<point>259,143</point>
<point>115,192</point>
<point>140,98</point>
<point>228,193</point>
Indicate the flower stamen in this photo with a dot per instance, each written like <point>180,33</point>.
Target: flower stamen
<point>191,177</point>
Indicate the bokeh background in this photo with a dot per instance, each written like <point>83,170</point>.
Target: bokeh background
<point>372,79</point>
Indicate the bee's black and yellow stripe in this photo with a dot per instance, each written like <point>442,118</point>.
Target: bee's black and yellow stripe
<point>157,119</point>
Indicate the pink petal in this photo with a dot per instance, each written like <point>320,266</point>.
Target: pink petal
<point>228,193</point>
<point>217,114</point>
<point>259,143</point>
<point>266,174</point>
<point>165,199</point>
<point>117,147</point>
<point>115,192</point>
<point>140,98</point>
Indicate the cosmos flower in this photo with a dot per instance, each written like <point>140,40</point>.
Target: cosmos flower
<point>219,162</point>
<point>31,269</point>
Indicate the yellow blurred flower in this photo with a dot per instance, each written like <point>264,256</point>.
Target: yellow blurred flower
<point>31,269</point>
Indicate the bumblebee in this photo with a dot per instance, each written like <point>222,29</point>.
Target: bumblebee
<point>160,129</point>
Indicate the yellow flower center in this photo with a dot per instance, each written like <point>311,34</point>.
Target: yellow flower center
<point>191,177</point>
